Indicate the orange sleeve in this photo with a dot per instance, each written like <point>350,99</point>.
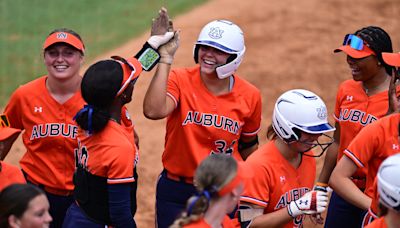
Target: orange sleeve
<point>121,165</point>
<point>257,189</point>
<point>252,125</point>
<point>14,111</point>
<point>173,89</point>
<point>336,114</point>
<point>363,146</point>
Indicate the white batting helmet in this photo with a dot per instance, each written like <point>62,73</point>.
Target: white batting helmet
<point>224,36</point>
<point>389,182</point>
<point>299,109</point>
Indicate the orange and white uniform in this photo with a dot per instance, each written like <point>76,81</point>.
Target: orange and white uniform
<point>10,174</point>
<point>203,123</point>
<point>104,158</point>
<point>276,182</point>
<point>226,223</point>
<point>49,135</point>
<point>354,110</point>
<point>372,145</point>
<point>110,153</point>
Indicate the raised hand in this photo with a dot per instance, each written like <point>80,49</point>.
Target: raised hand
<point>161,30</point>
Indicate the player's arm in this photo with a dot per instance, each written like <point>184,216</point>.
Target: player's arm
<point>119,200</point>
<point>342,184</point>
<point>157,104</point>
<point>318,202</point>
<point>247,145</point>
<point>251,215</point>
<point>330,157</point>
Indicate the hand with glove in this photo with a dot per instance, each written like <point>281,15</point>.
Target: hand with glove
<point>312,202</point>
<point>317,218</point>
<point>167,51</point>
<point>161,30</point>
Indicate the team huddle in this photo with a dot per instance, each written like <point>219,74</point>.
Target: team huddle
<point>82,150</point>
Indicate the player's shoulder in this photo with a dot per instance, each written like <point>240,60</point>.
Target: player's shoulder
<point>114,135</point>
<point>267,155</point>
<point>243,85</point>
<point>32,87</point>
<point>350,84</point>
<point>185,72</point>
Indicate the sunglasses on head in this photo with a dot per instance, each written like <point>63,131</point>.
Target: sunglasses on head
<point>354,42</point>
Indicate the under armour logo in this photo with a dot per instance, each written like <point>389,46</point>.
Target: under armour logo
<point>62,36</point>
<point>282,178</point>
<point>215,33</point>
<point>303,201</point>
<point>395,146</point>
<point>38,109</point>
<point>349,98</point>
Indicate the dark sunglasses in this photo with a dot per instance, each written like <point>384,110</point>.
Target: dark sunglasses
<point>354,42</point>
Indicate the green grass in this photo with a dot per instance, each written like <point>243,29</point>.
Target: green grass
<point>103,25</point>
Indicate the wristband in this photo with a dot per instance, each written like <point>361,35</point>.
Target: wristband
<point>321,184</point>
<point>148,57</point>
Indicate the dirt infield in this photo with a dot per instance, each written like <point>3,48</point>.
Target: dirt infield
<point>289,45</point>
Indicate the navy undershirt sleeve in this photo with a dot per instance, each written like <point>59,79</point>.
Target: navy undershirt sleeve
<point>120,205</point>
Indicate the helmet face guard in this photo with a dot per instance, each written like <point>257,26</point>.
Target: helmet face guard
<point>323,146</point>
<point>226,37</point>
<point>299,111</point>
<point>389,182</point>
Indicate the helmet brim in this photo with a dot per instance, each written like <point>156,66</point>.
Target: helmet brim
<point>217,46</point>
<point>318,129</point>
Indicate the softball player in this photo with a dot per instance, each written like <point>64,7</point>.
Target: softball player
<point>359,102</point>
<point>219,182</point>
<point>44,108</point>
<point>389,191</point>
<point>369,148</point>
<point>105,178</point>
<point>209,108</point>
<point>280,194</point>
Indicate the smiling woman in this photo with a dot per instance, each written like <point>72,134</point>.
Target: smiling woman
<point>359,102</point>
<point>210,109</point>
<point>50,102</point>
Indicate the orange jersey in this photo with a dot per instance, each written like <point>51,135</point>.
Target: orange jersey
<point>373,210</point>
<point>203,123</point>
<point>373,144</point>
<point>10,174</point>
<point>226,223</point>
<point>378,223</point>
<point>49,133</point>
<point>277,182</point>
<point>109,153</point>
<point>354,110</point>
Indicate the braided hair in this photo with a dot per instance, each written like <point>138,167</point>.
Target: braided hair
<point>379,41</point>
<point>99,88</point>
<point>213,173</point>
